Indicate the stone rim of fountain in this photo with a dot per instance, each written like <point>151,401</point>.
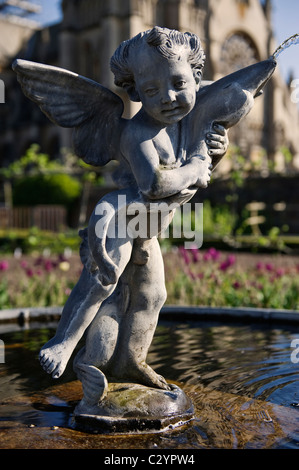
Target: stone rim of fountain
<point>24,316</point>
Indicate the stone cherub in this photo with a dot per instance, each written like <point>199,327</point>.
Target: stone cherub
<point>163,154</point>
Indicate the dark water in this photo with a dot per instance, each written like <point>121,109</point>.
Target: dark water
<point>247,360</point>
<point>243,381</point>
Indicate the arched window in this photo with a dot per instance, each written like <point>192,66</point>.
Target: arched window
<point>237,52</point>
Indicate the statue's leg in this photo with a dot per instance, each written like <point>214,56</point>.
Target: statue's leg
<point>73,302</point>
<point>146,285</point>
<point>101,338</point>
<point>80,309</point>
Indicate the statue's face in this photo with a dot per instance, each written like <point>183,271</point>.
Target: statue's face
<point>166,88</point>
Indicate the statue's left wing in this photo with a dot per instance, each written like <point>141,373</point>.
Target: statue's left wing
<point>71,100</point>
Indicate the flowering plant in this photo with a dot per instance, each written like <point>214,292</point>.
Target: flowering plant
<point>213,278</point>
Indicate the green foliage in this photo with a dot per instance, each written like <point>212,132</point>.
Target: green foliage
<point>33,162</point>
<point>33,239</point>
<point>4,296</point>
<point>39,180</point>
<point>46,189</point>
<point>35,292</point>
<point>218,221</point>
<point>287,154</point>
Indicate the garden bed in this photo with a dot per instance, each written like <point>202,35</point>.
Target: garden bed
<point>229,279</point>
<point>208,278</point>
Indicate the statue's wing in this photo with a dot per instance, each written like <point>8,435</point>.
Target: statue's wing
<point>70,100</point>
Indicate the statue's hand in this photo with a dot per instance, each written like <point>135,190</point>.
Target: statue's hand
<point>203,170</point>
<point>217,142</point>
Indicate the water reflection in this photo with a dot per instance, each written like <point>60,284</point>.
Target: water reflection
<point>248,360</point>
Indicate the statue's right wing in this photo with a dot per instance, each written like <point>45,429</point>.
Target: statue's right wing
<point>71,100</point>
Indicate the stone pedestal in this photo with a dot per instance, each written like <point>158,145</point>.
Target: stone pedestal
<point>134,408</point>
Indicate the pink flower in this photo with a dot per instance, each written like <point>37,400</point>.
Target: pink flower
<point>29,272</point>
<point>207,256</point>
<point>195,254</point>
<point>38,261</point>
<point>236,285</point>
<point>214,254</point>
<point>259,266</point>
<point>280,272</point>
<point>230,261</point>
<point>48,265</point>
<point>269,267</point>
<point>24,264</point>
<point>4,265</point>
<point>184,254</point>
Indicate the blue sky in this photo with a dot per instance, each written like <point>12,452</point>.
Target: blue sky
<point>285,23</point>
<point>51,11</point>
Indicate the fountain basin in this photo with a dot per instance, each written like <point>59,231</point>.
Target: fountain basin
<point>237,372</point>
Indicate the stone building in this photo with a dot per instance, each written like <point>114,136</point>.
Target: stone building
<point>235,33</point>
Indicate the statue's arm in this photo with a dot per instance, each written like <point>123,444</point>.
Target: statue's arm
<point>156,182</point>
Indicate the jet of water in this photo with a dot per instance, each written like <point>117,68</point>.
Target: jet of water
<point>287,43</point>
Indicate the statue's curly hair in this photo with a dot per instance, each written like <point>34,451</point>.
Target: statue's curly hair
<point>167,42</point>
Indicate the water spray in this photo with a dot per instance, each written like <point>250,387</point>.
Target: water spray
<point>291,41</point>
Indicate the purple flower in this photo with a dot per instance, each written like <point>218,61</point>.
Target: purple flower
<point>211,254</point>
<point>230,261</point>
<point>280,272</point>
<point>207,256</point>
<point>214,254</point>
<point>195,254</point>
<point>48,265</point>
<point>38,261</point>
<point>4,265</point>
<point>259,266</point>
<point>29,272</point>
<point>184,254</point>
<point>24,264</point>
<point>236,285</point>
<point>269,267</point>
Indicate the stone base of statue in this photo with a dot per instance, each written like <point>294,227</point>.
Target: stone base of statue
<point>130,407</point>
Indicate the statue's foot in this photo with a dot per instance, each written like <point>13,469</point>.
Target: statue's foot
<point>149,377</point>
<point>144,375</point>
<point>54,359</point>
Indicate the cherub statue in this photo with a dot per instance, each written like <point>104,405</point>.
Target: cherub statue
<point>164,154</point>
